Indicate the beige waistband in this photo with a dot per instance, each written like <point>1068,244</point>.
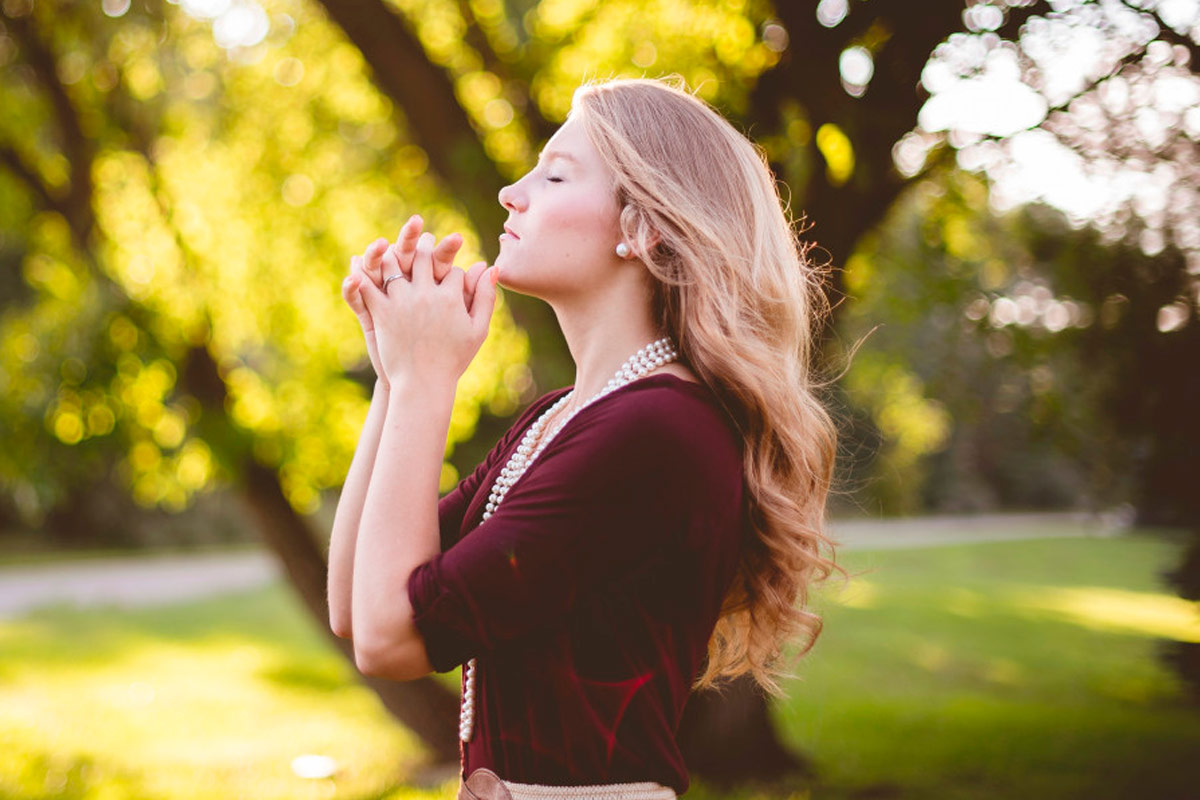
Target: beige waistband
<point>646,790</point>
<point>487,785</point>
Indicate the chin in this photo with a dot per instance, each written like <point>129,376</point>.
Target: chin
<point>547,279</point>
<point>514,281</point>
<point>511,274</point>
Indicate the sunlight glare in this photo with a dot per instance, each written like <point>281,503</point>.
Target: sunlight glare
<point>996,103</point>
<point>857,68</point>
<point>314,767</point>
<point>830,13</point>
<point>244,25</point>
<point>1118,610</point>
<point>206,9</point>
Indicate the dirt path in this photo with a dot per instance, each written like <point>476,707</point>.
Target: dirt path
<point>154,580</point>
<point>131,581</point>
<point>869,534</point>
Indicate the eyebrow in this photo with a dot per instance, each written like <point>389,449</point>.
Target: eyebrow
<point>550,155</point>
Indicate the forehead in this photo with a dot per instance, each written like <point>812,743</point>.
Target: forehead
<point>571,144</point>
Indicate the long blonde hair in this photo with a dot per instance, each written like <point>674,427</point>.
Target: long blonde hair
<point>734,287</point>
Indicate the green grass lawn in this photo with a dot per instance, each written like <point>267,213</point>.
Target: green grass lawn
<point>997,670</point>
<point>1000,670</point>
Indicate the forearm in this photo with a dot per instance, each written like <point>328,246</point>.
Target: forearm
<point>349,514</point>
<point>399,525</point>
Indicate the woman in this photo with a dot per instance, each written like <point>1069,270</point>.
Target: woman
<point>653,528</point>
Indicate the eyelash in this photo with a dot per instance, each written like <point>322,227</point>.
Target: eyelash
<point>554,179</point>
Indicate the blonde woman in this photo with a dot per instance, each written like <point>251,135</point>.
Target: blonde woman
<point>651,529</point>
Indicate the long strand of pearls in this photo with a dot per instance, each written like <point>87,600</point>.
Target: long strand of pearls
<point>649,358</point>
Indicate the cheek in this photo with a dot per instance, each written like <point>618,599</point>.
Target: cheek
<point>582,217</point>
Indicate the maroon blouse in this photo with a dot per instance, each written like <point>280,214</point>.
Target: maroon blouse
<point>589,596</point>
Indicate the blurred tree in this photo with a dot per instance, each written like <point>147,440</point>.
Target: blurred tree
<point>1046,363</point>
<point>160,319</point>
<point>977,372</point>
<point>170,320</point>
<point>1075,326</point>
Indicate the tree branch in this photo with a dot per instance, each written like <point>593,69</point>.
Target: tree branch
<point>78,148</point>
<point>28,175</point>
<point>809,75</point>
<point>424,91</point>
<point>540,128</point>
<point>403,71</point>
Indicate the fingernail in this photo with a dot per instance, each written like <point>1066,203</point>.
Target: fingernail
<point>495,275</point>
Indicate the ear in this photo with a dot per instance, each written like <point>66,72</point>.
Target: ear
<point>653,237</point>
<point>654,242</point>
<point>631,216</point>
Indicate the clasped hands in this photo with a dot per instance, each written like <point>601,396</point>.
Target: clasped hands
<point>428,323</point>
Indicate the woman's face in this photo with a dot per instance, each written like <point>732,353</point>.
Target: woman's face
<point>562,228</point>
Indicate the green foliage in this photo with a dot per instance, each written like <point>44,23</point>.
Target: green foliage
<point>714,46</point>
<point>227,200</point>
<point>227,191</point>
<point>974,366</point>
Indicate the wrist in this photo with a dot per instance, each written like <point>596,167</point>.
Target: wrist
<point>423,390</point>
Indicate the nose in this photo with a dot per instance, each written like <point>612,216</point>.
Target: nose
<point>512,198</point>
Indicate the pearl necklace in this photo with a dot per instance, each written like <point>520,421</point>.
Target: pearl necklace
<point>649,358</point>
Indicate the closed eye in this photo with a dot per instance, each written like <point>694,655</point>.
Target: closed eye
<point>554,179</point>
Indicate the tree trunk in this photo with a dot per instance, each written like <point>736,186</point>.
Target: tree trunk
<point>423,706</point>
<point>727,737</point>
<point>423,92</point>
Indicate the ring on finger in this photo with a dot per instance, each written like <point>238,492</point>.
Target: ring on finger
<point>389,279</point>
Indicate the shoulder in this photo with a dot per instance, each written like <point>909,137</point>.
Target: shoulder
<point>662,418</point>
<point>679,408</point>
<point>659,447</point>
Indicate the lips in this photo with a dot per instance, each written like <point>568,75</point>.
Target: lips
<point>509,231</point>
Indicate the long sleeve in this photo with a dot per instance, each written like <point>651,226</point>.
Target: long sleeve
<point>453,505</point>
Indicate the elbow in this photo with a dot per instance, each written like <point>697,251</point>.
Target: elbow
<point>339,622</point>
<point>372,666</point>
<point>340,628</point>
<point>370,661</point>
<point>404,661</point>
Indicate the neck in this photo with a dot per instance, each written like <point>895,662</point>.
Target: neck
<point>602,336</point>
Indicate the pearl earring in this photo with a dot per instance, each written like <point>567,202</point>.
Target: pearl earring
<point>623,250</point>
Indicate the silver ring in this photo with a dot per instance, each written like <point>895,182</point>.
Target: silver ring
<point>391,278</point>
